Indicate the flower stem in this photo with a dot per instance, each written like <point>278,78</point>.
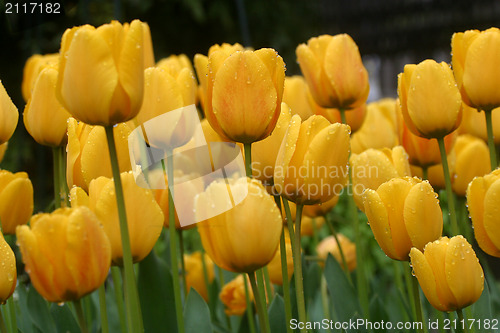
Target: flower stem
<point>286,283</point>
<point>173,241</point>
<point>491,139</point>
<point>259,302</point>
<point>62,176</point>
<point>425,173</point>
<point>461,324</point>
<point>249,304</point>
<point>342,255</point>
<point>57,179</point>
<point>297,267</point>
<point>248,159</point>
<point>116,276</point>
<point>449,191</point>
<point>103,310</point>
<point>12,313</point>
<point>418,305</point>
<point>132,305</point>
<point>342,116</point>
<point>183,265</point>
<point>79,315</point>
<point>263,291</point>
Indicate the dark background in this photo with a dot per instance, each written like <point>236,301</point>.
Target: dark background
<point>389,33</point>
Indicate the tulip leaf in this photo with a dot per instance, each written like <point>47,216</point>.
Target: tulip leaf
<point>342,294</point>
<point>25,325</point>
<point>482,308</point>
<point>277,318</point>
<point>197,314</point>
<point>66,322</point>
<point>312,280</point>
<point>39,311</point>
<point>156,295</point>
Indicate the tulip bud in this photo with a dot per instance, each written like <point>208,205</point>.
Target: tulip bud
<point>449,273</point>
<point>334,71</point>
<point>233,296</point>
<point>244,92</point>
<point>194,272</point>
<point>101,72</point>
<point>66,253</point>
<point>8,276</point>
<point>482,200</point>
<point>373,167</point>
<point>330,245</point>
<point>403,213</point>
<point>16,200</point>
<point>307,171</point>
<point>34,65</point>
<point>8,116</point>
<point>240,237</point>
<point>430,100</point>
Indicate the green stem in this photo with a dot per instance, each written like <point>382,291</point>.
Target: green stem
<point>205,276</point>
<point>342,116</point>
<point>425,173</point>
<point>62,176</point>
<point>408,281</point>
<point>3,328</point>
<point>297,266</point>
<point>289,223</point>
<point>342,256</point>
<point>461,324</point>
<point>491,139</point>
<point>132,305</point>
<point>79,315</point>
<point>418,305</point>
<point>183,265</point>
<point>173,241</point>
<point>57,185</point>
<point>268,284</point>
<point>324,300</point>
<point>400,286</point>
<point>103,310</point>
<point>286,283</point>
<point>449,190</point>
<point>263,292</point>
<point>248,159</point>
<point>116,276</point>
<point>12,313</point>
<point>249,304</point>
<point>259,302</point>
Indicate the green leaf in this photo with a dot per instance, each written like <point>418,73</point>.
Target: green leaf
<point>25,325</point>
<point>197,314</point>
<point>482,308</point>
<point>344,298</point>
<point>39,311</point>
<point>156,295</point>
<point>66,322</point>
<point>277,318</point>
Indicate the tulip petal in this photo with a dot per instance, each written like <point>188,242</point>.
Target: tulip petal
<point>464,274</point>
<point>8,115</point>
<point>16,204</point>
<point>426,279</point>
<point>286,152</point>
<point>492,213</point>
<point>78,197</point>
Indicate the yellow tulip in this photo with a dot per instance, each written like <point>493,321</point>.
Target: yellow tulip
<point>9,272</point>
<point>330,245</point>
<point>244,92</point>
<point>233,297</point>
<point>334,71</point>
<point>379,128</point>
<point>373,167</point>
<point>8,116</point>
<point>3,149</point>
<point>44,117</point>
<point>320,209</point>
<point>16,200</point>
<point>310,225</point>
<point>473,160</point>
<point>34,65</point>
<point>244,237</point>
<point>403,213</point>
<point>66,253</point>
<point>475,57</point>
<point>180,68</point>
<point>101,72</point>
<point>474,123</point>
<point>435,174</point>
<point>449,273</point>
<point>274,267</point>
<point>482,200</point>
<point>194,272</point>
<point>144,216</point>
<point>430,100</point>
<point>307,171</point>
<point>297,96</point>
<point>88,153</point>
<point>264,152</point>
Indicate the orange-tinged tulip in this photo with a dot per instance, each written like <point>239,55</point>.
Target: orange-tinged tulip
<point>474,123</point>
<point>330,245</point>
<point>244,237</point>
<point>403,213</point>
<point>8,275</point>
<point>88,153</point>
<point>310,225</point>
<point>44,117</point>
<point>379,128</point>
<point>66,253</point>
<point>3,149</point>
<point>233,297</point>
<point>101,72</point>
<point>307,171</point>
<point>144,216</point>
<point>244,93</point>
<point>430,100</point>
<point>264,152</point>
<point>194,272</point>
<point>34,65</point>
<point>274,267</point>
<point>475,57</point>
<point>449,273</point>
<point>16,200</point>
<point>482,200</point>
<point>373,167</point>
<point>472,160</point>
<point>8,116</point>
<point>334,71</point>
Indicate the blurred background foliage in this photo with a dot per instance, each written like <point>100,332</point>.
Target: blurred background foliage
<point>389,33</point>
